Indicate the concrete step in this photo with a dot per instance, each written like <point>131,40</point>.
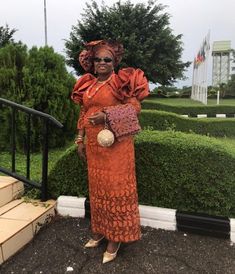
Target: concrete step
<point>10,189</point>
<point>10,206</point>
<point>20,221</point>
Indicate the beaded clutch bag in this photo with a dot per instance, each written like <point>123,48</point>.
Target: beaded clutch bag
<point>122,120</point>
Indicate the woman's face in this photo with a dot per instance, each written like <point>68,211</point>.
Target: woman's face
<point>103,62</point>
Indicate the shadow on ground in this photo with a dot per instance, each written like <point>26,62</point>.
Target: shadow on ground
<point>58,248</point>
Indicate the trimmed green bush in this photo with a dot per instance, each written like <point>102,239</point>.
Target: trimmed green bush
<point>68,176</point>
<point>190,110</point>
<point>36,78</point>
<point>174,170</point>
<point>161,120</point>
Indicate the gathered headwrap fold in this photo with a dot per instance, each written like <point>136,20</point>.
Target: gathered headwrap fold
<point>91,48</point>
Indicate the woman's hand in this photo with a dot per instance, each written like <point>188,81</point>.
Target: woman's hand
<point>81,151</point>
<point>97,118</point>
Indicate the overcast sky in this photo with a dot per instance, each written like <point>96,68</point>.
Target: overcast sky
<point>192,18</point>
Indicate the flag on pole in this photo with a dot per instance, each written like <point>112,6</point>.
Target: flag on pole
<point>200,64</point>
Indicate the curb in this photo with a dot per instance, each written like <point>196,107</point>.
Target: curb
<point>219,115</point>
<point>160,218</point>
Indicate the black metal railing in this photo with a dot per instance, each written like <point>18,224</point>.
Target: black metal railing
<point>46,119</point>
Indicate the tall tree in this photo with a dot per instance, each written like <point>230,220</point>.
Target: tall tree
<point>47,88</point>
<point>143,29</point>
<point>36,78</point>
<point>12,61</point>
<point>6,35</point>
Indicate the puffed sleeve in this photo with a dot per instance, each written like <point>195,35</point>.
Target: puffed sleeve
<point>80,87</point>
<point>130,82</point>
<point>134,102</point>
<point>77,95</point>
<point>80,123</point>
<point>130,86</point>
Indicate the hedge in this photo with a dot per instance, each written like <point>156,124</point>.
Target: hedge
<point>174,170</point>
<point>192,111</point>
<point>161,120</point>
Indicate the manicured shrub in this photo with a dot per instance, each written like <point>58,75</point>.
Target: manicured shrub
<point>174,170</point>
<point>69,175</point>
<point>190,110</point>
<point>161,120</point>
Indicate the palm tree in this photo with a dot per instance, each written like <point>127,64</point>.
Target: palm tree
<point>6,35</point>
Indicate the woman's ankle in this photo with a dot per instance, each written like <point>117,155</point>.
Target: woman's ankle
<point>96,236</point>
<point>112,247</point>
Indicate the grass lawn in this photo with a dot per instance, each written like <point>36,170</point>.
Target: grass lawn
<point>223,102</point>
<point>189,102</point>
<point>35,160</point>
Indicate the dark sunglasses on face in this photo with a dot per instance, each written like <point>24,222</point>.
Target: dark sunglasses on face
<point>105,59</point>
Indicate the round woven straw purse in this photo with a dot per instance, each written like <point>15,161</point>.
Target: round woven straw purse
<point>105,138</point>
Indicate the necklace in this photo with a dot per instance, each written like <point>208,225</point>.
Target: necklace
<point>89,94</point>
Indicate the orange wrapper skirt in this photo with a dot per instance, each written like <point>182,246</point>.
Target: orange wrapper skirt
<point>112,190</point>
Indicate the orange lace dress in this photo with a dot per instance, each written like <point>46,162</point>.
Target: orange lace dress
<point>111,170</point>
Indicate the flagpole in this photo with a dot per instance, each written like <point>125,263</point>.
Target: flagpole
<point>206,62</point>
<point>45,22</point>
<point>192,90</point>
<point>199,86</point>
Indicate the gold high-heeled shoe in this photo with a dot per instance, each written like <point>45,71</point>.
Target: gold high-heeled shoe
<point>108,257</point>
<point>93,243</point>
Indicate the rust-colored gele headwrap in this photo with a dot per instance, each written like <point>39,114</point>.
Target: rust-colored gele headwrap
<point>87,55</point>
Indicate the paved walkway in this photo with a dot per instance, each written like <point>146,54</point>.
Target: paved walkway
<point>58,248</point>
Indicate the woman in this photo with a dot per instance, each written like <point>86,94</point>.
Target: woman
<point>111,170</point>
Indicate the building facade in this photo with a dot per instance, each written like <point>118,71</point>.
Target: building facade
<point>223,65</point>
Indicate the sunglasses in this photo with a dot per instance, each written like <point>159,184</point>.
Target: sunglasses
<point>105,59</point>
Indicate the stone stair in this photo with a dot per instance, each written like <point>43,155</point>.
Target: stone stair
<point>20,219</point>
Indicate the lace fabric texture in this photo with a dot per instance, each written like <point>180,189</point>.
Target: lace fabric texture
<point>112,190</point>
<point>111,170</point>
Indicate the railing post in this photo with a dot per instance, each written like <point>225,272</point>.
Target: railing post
<point>28,146</point>
<point>13,145</point>
<point>45,161</point>
<point>46,119</point>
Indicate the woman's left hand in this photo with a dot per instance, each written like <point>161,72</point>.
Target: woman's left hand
<point>97,118</point>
